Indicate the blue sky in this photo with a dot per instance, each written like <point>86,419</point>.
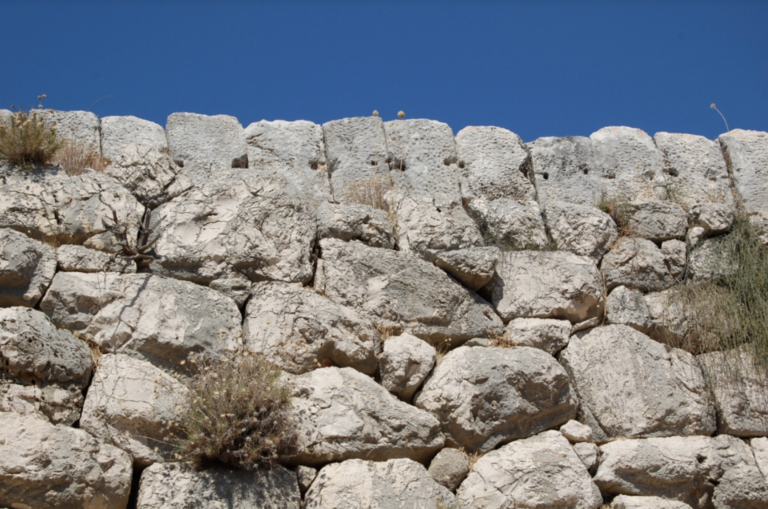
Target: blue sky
<point>541,68</point>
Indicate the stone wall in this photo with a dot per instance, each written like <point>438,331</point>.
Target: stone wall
<point>460,320</point>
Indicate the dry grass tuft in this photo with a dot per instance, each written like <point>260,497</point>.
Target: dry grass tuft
<point>370,192</point>
<point>26,141</point>
<point>74,157</point>
<point>237,415</point>
<point>619,209</point>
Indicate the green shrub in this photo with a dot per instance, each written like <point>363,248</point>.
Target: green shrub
<point>237,414</point>
<point>26,141</point>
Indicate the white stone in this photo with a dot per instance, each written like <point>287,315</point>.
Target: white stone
<point>474,267</point>
<point>580,229</point>
<point>404,364</point>
<point>566,171</point>
<point>545,334</point>
<point>236,286</point>
<point>352,221</point>
<point>27,267</point>
<point>625,502</point>
<point>656,220</point>
<point>674,252</point>
<point>73,258</point>
<point>81,127</point>
<point>638,264</point>
<point>449,468</point>
<point>628,307</point>
<point>485,396</point>
<point>714,218</point>
<point>305,476</point>
<point>576,432</point>
<point>760,450</point>
<point>588,454</point>
<point>203,144</point>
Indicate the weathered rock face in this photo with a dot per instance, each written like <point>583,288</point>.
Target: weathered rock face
<point>576,432</point>
<point>72,258</point>
<point>26,269</point>
<point>638,264</point>
<point>703,472</point>
<point>162,320</point>
<point>204,144</point>
<point>134,406</point>
<point>746,154</point>
<point>177,486</point>
<point>496,169</point>
<point>657,220</point>
<point>580,229</point>
<point>643,388</point>
<point>449,468</point>
<point>675,255</point>
<point>342,414</point>
<point>401,292</point>
<point>251,222</point>
<point>714,218</point>
<point>46,204</point>
<point>293,149</point>
<point>546,284</point>
<point>300,330</point>
<point>395,484</point>
<point>628,307</point>
<point>540,471</point>
<point>54,466</point>
<point>545,334</point>
<point>474,267</point>
<point>739,387</point>
<point>352,221</point>
<point>565,170</point>
<point>660,315</point>
<point>404,364</point>
<point>44,369</point>
<point>588,454</point>
<point>484,397</point>
<point>625,502</point>
<point>81,127</point>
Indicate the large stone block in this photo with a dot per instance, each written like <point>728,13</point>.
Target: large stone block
<point>638,264</point>
<point>27,267</point>
<point>580,229</point>
<point>203,144</point>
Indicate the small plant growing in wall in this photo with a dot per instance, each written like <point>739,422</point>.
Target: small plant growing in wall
<point>26,141</point>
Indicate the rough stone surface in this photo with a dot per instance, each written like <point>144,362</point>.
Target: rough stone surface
<point>178,486</point>
<point>565,170</point>
<point>305,476</point>
<point>162,320</point>
<point>402,293</point>
<point>81,127</point>
<point>473,267</point>
<point>714,218</point>
<point>668,317</point>
<point>637,264</point>
<point>674,253</point>
<point>237,287</point>
<point>657,220</point>
<point>27,267</point>
<point>46,204</point>
<point>540,471</point>
<point>580,229</point>
<point>135,406</point>
<point>628,307</point>
<point>55,466</point>
<point>740,389</point>
<point>625,502</point>
<point>642,389</point>
<point>393,484</point>
<point>293,149</point>
<point>404,364</point>
<point>73,258</point>
<point>546,284</point>
<point>251,222</point>
<point>545,334</point>
<point>694,170</point>
<point>138,153</point>
<point>300,330</point>
<point>203,144</point>
<point>746,154</point>
<point>51,402</point>
<point>449,468</point>
<point>352,221</point>
<point>588,454</point>
<point>707,261</point>
<point>485,396</point>
<point>760,451</point>
<point>342,414</point>
<point>576,432</point>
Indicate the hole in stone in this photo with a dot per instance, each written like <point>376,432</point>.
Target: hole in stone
<point>585,171</point>
<point>461,164</point>
<point>240,162</point>
<point>446,162</point>
<point>179,163</point>
<point>545,175</point>
<point>313,165</point>
<point>374,163</point>
<point>672,172</point>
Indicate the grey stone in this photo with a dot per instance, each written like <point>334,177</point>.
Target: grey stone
<point>352,221</point>
<point>300,330</point>
<point>508,223</point>
<point>343,414</point>
<point>485,396</point>
<point>305,476</point>
<point>546,284</point>
<point>643,388</point>
<point>674,252</point>
<point>178,486</point>
<point>588,454</point>
<point>27,267</point>
<point>402,293</point>
<point>473,267</point>
<point>637,264</point>
<point>404,364</point>
<point>251,222</point>
<point>203,144</point>
<point>392,484</point>
<point>708,260</point>
<point>81,127</point>
<point>565,171</point>
<point>580,229</point>
<point>51,402</point>
<point>669,317</point>
<point>505,477</point>
<point>625,502</point>
<point>236,286</point>
<point>628,307</point>
<point>545,334</point>
<point>657,220</point>
<point>576,432</point>
<point>73,258</point>
<point>56,466</point>
<point>449,468</point>
<point>714,218</point>
<point>760,450</point>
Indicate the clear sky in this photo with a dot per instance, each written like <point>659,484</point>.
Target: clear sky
<point>538,68</point>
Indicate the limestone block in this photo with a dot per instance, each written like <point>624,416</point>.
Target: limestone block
<point>545,334</point>
<point>164,321</point>
<point>27,267</point>
<point>352,221</point>
<point>401,292</point>
<point>708,260</point>
<point>580,229</point>
<point>588,454</point>
<point>55,403</point>
<point>714,218</point>
<point>135,406</point>
<point>638,264</point>
<point>404,364</point>
<point>473,267</point>
<point>694,170</point>
<point>449,468</point>
<point>565,171</point>
<point>395,484</point>
<point>137,151</point>
<point>253,222</point>
<point>56,466</point>
<point>508,223</point>
<point>178,486</point>
<point>674,252</point>
<point>343,414</point>
<point>576,432</point>
<point>546,284</point>
<point>746,154</point>
<point>73,258</point>
<point>236,286</point>
<point>300,330</point>
<point>203,144</point>
<point>5,116</point>
<point>668,316</point>
<point>48,205</point>
<point>305,476</point>
<point>628,307</point>
<point>760,450</point>
<point>540,471</point>
<point>625,502</point>
<point>485,396</point>
<point>643,388</point>
<point>657,220</point>
<point>81,127</point>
